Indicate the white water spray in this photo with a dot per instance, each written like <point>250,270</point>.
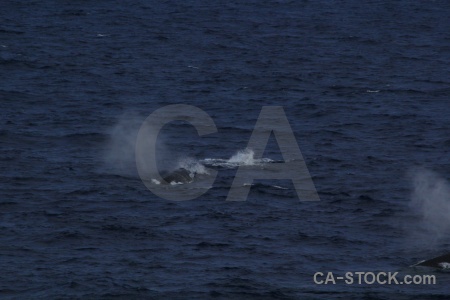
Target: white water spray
<point>243,157</point>
<point>119,157</point>
<point>430,201</point>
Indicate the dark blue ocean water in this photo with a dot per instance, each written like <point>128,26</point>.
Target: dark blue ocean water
<point>365,86</point>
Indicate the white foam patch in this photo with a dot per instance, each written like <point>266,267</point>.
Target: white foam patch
<point>244,157</point>
<point>444,265</point>
<point>175,183</point>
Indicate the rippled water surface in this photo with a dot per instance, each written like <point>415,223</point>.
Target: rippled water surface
<point>364,84</point>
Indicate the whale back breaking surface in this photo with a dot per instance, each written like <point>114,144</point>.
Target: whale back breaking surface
<point>442,261</point>
<point>178,176</point>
